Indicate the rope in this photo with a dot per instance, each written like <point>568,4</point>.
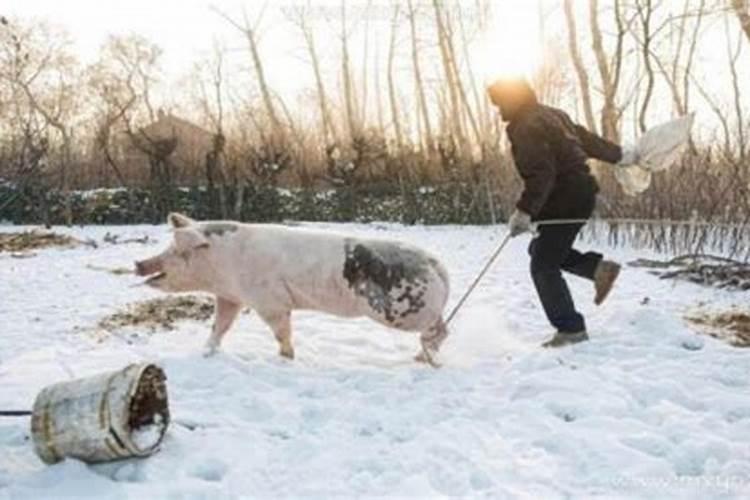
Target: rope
<point>666,222</point>
<point>554,222</point>
<point>478,279</point>
<point>15,413</point>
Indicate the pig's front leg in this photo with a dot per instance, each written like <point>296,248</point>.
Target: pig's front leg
<point>226,312</point>
<point>281,324</point>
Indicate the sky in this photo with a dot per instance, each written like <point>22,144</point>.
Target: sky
<point>187,30</point>
<point>183,28</point>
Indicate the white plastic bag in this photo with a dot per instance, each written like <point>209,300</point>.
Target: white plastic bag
<point>658,149</point>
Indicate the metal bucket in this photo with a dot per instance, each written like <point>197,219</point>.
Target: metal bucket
<point>105,417</point>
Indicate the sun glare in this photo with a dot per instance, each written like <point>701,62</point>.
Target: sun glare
<point>510,44</point>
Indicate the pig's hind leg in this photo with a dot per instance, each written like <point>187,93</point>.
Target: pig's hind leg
<point>431,341</point>
<point>281,324</point>
<point>226,313</point>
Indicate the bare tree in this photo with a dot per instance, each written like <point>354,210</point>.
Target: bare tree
<point>453,60</point>
<point>732,56</point>
<point>120,82</point>
<point>456,127</point>
<point>423,109</point>
<point>300,18</point>
<point>645,11</point>
<point>391,84</point>
<point>378,90</point>
<point>211,73</point>
<point>480,101</point>
<point>250,31</point>
<point>681,56</point>
<point>37,63</point>
<point>350,98</point>
<point>580,67</point>
<point>609,71</point>
<point>365,61</point>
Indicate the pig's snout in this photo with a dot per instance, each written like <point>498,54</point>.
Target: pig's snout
<point>148,267</point>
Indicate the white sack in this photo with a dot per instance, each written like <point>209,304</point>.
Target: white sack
<point>658,149</point>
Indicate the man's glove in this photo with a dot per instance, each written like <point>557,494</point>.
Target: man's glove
<point>629,155</point>
<point>519,223</point>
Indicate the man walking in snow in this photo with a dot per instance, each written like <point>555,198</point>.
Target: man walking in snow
<point>550,152</point>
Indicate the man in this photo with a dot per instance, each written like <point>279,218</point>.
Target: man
<point>550,153</point>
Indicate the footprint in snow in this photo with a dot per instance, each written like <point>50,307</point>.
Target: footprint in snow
<point>210,469</point>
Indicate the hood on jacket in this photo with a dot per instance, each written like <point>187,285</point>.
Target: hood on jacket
<point>512,96</point>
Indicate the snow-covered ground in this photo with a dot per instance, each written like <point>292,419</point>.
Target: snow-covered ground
<point>646,409</point>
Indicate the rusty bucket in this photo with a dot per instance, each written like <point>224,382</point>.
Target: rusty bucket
<point>106,417</point>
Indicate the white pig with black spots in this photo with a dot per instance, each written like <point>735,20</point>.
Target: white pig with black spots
<point>276,269</point>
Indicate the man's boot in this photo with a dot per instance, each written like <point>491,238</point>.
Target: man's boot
<point>561,339</point>
<point>604,278</point>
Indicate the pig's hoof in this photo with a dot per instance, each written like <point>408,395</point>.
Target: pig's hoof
<point>429,359</point>
<point>287,353</point>
<point>210,350</point>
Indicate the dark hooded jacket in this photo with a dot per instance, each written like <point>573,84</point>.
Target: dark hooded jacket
<point>550,153</point>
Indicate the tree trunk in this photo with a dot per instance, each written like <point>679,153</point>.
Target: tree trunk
<point>250,35</point>
<point>239,200</point>
<point>391,85</point>
<point>583,77</point>
<point>378,88</point>
<point>349,98</point>
<point>733,55</point>
<point>362,109</point>
<point>329,128</point>
<point>609,117</point>
<point>421,97</point>
<point>58,125</point>
<point>478,96</point>
<point>691,57</point>
<point>260,74</point>
<point>455,123</point>
<point>459,85</point>
<point>645,13</point>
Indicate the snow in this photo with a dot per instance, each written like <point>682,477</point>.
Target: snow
<point>148,436</point>
<point>645,409</point>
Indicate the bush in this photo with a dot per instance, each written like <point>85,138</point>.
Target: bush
<point>450,203</point>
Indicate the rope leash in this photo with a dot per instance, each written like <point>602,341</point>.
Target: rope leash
<point>556,222</point>
<point>666,222</point>
<point>15,413</point>
<point>479,277</point>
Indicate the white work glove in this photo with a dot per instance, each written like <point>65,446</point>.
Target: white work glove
<point>519,223</point>
<point>629,155</point>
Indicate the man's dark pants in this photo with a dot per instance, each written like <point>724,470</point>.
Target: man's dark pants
<point>551,253</point>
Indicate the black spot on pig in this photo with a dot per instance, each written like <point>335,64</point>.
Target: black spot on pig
<point>413,299</point>
<point>392,278</point>
<point>218,228</point>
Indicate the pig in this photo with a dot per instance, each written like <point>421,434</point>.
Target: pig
<point>276,269</point>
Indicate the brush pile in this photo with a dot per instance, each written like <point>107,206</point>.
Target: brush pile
<point>708,270</point>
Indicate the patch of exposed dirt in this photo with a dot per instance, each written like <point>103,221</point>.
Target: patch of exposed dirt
<point>732,327</point>
<point>160,314</point>
<point>34,240</point>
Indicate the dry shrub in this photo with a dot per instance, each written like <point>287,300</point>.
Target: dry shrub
<point>732,327</point>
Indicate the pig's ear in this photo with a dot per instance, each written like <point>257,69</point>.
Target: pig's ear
<point>177,220</point>
<point>189,239</point>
